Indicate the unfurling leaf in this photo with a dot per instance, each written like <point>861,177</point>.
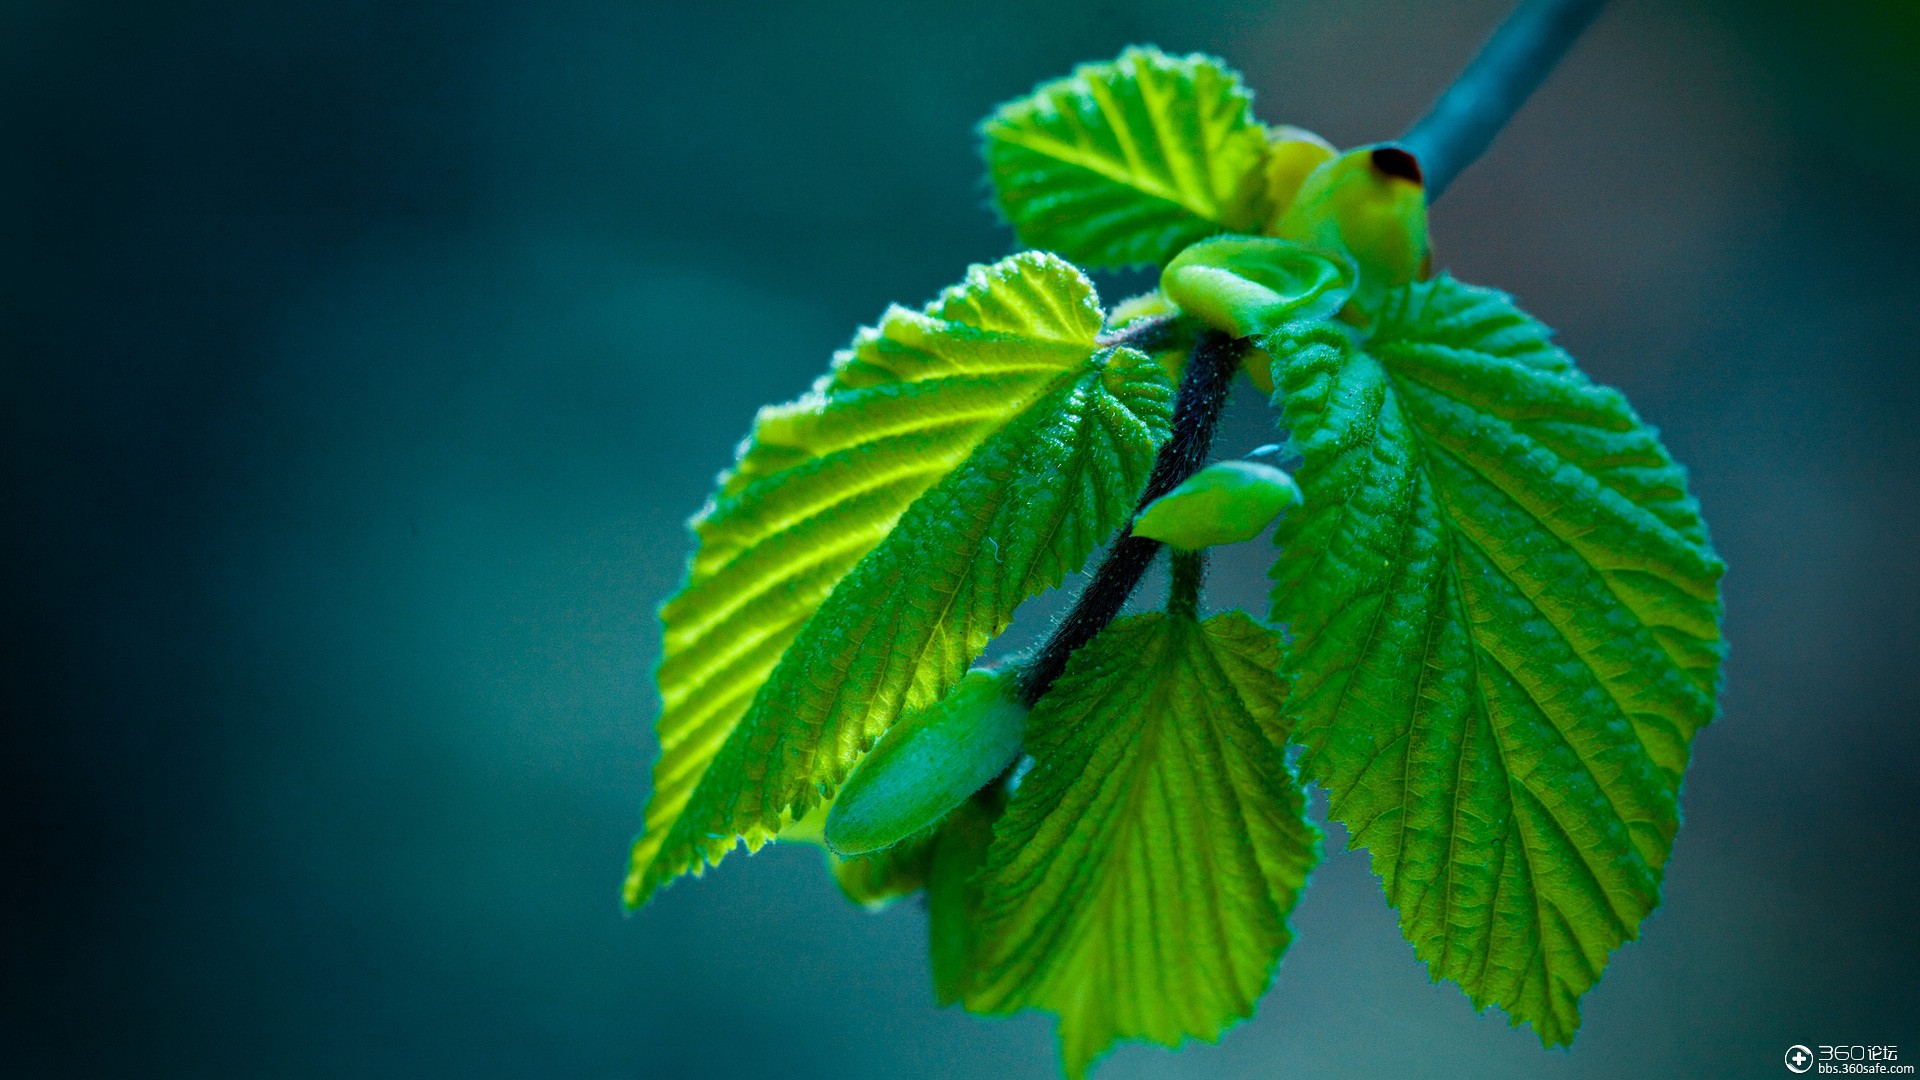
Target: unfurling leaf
<point>959,461</point>
<point>929,763</point>
<point>1504,611</point>
<point>1124,163</point>
<point>1139,883</point>
<point>1224,503</point>
<point>1248,285</point>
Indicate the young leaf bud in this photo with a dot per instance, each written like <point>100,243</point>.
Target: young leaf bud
<point>1145,306</point>
<point>1292,153</point>
<point>928,763</point>
<point>1369,203</point>
<point>1224,503</point>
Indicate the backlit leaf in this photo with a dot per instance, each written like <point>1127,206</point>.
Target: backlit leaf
<point>959,461</point>
<point>1125,163</point>
<point>1139,883</point>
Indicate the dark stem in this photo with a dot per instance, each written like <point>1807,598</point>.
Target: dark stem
<point>1510,67</point>
<point>1189,574</point>
<point>1196,411</point>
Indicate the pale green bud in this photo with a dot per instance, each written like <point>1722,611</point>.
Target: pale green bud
<point>1224,503</point>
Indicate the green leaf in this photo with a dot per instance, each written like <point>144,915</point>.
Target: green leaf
<point>1125,163</point>
<point>1140,882</point>
<point>823,479</point>
<point>1019,443</point>
<point>1504,612</point>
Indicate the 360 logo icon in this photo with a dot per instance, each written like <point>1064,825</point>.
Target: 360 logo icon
<point>1799,1058</point>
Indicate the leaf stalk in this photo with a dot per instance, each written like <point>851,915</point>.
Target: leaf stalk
<point>1189,576</point>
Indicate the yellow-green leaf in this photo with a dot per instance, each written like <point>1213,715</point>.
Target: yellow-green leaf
<point>959,460</point>
<point>1125,163</point>
<point>1139,883</point>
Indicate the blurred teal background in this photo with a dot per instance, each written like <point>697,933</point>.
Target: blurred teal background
<point>360,363</point>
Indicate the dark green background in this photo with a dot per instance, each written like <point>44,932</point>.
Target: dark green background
<point>360,362</point>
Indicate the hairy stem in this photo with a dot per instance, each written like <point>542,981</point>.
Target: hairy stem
<point>1510,67</point>
<point>1196,411</point>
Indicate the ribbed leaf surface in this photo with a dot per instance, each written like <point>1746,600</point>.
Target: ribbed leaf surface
<point>1125,163</point>
<point>1140,882</point>
<point>1504,611</point>
<point>876,534</point>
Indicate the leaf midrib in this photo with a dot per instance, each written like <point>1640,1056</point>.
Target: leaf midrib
<point>1092,161</point>
<point>1456,534</point>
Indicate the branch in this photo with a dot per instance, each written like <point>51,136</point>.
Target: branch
<point>1196,411</point>
<point>1458,129</point>
<point>1510,67</point>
